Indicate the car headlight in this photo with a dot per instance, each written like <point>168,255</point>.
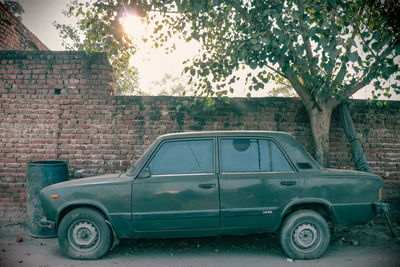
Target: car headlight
<point>380,193</point>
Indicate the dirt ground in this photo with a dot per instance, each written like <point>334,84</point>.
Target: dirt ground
<point>366,245</point>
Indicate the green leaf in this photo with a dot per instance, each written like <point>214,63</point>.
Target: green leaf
<point>353,56</point>
<point>257,47</point>
<point>376,35</point>
<point>266,41</point>
<point>352,42</point>
<point>253,65</point>
<point>334,53</point>
<point>397,49</point>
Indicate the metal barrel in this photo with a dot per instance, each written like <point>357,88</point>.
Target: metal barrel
<point>41,174</point>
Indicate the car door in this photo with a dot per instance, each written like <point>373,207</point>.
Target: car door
<point>256,182</point>
<point>181,190</point>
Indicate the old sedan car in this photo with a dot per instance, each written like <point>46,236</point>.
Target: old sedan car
<point>213,183</point>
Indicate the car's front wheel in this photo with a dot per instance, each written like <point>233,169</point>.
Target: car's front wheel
<point>84,234</point>
<point>305,235</point>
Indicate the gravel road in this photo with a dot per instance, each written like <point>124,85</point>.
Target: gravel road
<point>365,246</point>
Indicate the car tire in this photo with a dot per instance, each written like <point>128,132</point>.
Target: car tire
<point>84,234</point>
<point>304,235</point>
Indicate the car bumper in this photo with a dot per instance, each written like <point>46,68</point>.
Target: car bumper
<point>353,214</point>
<point>381,208</point>
<point>46,224</point>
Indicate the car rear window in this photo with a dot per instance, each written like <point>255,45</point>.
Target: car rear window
<point>252,155</point>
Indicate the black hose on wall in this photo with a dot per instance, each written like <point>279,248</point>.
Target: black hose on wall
<point>357,151</point>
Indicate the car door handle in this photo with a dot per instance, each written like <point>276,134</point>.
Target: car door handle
<point>288,183</point>
<point>207,186</point>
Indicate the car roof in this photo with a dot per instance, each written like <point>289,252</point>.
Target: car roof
<point>224,133</point>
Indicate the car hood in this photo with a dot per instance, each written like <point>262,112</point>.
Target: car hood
<point>102,179</point>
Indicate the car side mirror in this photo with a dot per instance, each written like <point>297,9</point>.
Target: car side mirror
<point>145,173</point>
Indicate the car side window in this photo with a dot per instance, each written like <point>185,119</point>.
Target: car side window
<point>252,155</point>
<point>183,157</point>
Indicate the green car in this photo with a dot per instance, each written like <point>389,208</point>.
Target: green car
<point>213,183</point>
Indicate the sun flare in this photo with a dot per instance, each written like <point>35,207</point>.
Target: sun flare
<point>134,26</point>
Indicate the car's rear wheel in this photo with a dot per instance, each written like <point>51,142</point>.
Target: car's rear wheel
<point>305,235</point>
<point>84,234</point>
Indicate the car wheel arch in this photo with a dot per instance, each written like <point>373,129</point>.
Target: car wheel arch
<point>71,206</point>
<point>323,207</point>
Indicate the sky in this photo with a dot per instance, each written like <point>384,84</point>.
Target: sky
<point>39,16</point>
<point>152,64</point>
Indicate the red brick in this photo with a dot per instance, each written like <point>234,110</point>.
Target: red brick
<point>101,133</point>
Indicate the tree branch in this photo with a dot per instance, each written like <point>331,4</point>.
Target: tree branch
<point>242,12</point>
<point>355,26</point>
<point>359,85</point>
<point>342,67</point>
<point>347,52</point>
<point>365,43</point>
<point>301,90</point>
<point>276,71</point>
<point>329,74</point>
<point>305,38</point>
<point>366,80</point>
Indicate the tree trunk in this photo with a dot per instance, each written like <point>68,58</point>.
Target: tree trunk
<point>320,120</point>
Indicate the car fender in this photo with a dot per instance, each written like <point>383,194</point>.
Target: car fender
<point>308,204</point>
<point>70,205</point>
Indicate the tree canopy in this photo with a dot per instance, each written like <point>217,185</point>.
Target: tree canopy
<point>14,6</point>
<point>327,50</point>
<point>389,13</point>
<point>98,29</point>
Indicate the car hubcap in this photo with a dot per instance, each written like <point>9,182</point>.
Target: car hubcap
<point>83,235</point>
<point>305,236</point>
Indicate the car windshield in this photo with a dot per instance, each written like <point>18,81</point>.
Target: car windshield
<point>131,169</point>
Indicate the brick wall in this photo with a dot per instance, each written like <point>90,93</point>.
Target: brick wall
<point>52,106</point>
<point>61,106</point>
<point>14,35</point>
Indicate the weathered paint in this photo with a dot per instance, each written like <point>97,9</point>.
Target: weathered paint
<point>217,203</point>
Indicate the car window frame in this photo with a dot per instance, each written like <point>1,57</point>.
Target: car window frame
<point>211,138</point>
<point>292,166</point>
